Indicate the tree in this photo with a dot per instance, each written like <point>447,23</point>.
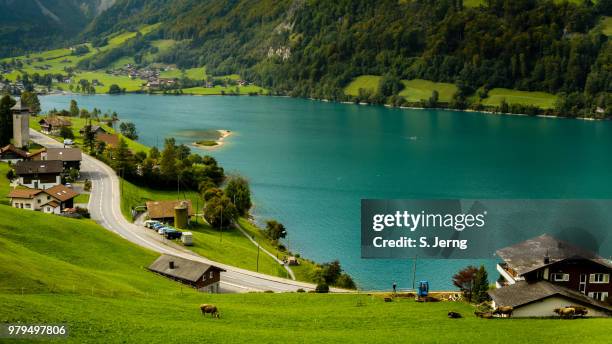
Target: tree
<point>390,85</point>
<point>128,129</point>
<point>74,108</point>
<point>154,153</point>
<point>115,89</point>
<point>168,166</point>
<point>89,138</point>
<point>238,191</point>
<point>219,211</point>
<point>66,133</point>
<point>275,230</point>
<point>30,99</point>
<point>123,160</point>
<point>481,285</point>
<point>433,100</point>
<point>464,280</point>
<point>6,120</point>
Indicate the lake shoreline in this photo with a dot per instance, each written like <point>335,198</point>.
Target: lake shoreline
<point>224,133</point>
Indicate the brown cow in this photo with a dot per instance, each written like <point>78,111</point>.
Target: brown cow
<point>580,310</point>
<point>484,315</point>
<point>565,312</point>
<point>504,311</point>
<point>212,309</point>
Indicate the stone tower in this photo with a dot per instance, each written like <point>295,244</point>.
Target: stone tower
<point>21,125</point>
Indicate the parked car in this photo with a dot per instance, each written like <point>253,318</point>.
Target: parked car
<point>173,234</point>
<point>151,223</point>
<point>68,142</point>
<point>164,229</point>
<point>157,226</point>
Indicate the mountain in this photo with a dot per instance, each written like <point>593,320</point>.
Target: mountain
<point>315,48</point>
<point>31,25</point>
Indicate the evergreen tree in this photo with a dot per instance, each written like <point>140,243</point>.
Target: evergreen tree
<point>481,285</point>
<point>168,165</point>
<point>6,120</point>
<point>74,108</point>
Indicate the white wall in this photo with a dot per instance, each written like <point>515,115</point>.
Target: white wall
<point>58,181</point>
<point>545,308</point>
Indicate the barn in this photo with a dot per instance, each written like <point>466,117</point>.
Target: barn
<point>201,276</point>
<point>539,299</point>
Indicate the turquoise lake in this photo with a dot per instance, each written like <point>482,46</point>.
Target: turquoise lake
<point>310,163</point>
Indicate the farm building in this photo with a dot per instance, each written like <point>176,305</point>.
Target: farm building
<point>52,200</point>
<point>52,125</point>
<point>164,211</point>
<point>95,129</point>
<point>39,174</point>
<point>201,276</point>
<point>545,271</point>
<point>70,157</point>
<point>12,154</point>
<point>539,299</point>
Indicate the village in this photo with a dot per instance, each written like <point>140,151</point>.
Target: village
<point>540,277</point>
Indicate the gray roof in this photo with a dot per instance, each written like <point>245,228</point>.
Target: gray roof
<point>64,154</point>
<point>529,255</point>
<point>523,293</point>
<point>185,269</point>
<point>39,166</point>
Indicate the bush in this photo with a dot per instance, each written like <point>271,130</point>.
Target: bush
<point>345,281</point>
<point>322,288</point>
<point>10,175</point>
<point>301,290</point>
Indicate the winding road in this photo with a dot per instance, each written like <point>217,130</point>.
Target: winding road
<point>105,209</point>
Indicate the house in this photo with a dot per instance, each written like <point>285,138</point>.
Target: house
<point>96,129</point>
<point>554,268</point>
<point>70,157</point>
<point>39,174</point>
<point>539,299</point>
<point>51,201</point>
<point>12,154</point>
<point>201,276</point>
<point>52,125</point>
<point>163,211</point>
<point>111,140</point>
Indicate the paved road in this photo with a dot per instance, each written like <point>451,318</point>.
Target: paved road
<point>104,206</point>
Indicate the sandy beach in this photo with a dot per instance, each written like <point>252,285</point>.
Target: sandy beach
<point>219,142</point>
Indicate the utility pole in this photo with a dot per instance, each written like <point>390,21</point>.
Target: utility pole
<point>257,257</point>
<point>221,226</point>
<point>414,273</point>
<point>178,187</point>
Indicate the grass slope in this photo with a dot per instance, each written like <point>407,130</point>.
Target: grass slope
<point>541,99</point>
<point>607,26</point>
<point>418,89</point>
<point>135,195</point>
<point>57,261</point>
<point>367,82</point>
<point>217,90</point>
<point>4,183</point>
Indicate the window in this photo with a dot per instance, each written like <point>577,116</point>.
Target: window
<point>598,295</point>
<point>28,206</point>
<point>559,277</point>
<point>211,274</point>
<point>599,278</point>
<point>38,201</point>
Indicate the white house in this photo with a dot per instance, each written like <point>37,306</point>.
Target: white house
<point>39,174</point>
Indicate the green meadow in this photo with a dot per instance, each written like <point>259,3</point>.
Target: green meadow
<point>64,271</point>
<point>417,89</point>
<point>540,99</point>
<point>607,26</point>
<point>217,90</point>
<point>367,82</point>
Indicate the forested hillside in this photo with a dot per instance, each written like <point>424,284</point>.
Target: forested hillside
<point>315,48</point>
<point>30,25</point>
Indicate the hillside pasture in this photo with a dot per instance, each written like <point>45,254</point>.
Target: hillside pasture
<point>540,99</point>
<point>367,82</point>
<point>418,89</point>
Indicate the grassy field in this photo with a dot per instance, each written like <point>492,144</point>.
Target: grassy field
<point>367,82</point>
<point>4,183</point>
<point>192,73</point>
<point>82,198</point>
<point>73,272</point>
<point>303,272</point>
<point>233,248</point>
<point>541,99</point>
<point>417,89</point>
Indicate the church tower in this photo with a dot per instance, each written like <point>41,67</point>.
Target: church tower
<point>21,125</point>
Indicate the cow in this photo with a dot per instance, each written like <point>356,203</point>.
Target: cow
<point>454,315</point>
<point>565,312</point>
<point>504,311</point>
<point>484,315</point>
<point>580,310</point>
<point>212,309</point>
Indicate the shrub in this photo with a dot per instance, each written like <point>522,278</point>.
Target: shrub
<point>322,288</point>
<point>345,281</point>
<point>301,290</point>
